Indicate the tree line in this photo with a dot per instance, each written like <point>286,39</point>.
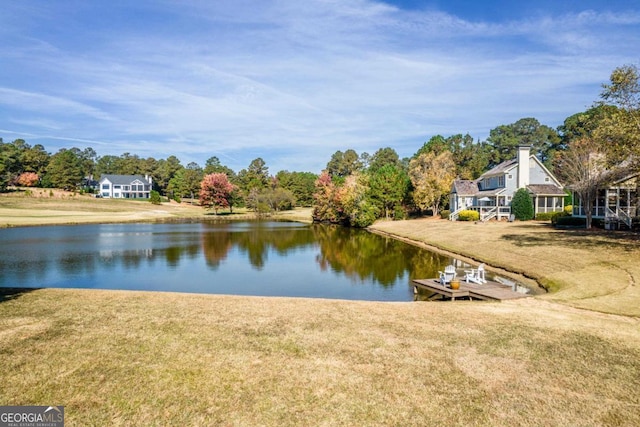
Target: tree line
<point>589,150</point>
<point>75,169</point>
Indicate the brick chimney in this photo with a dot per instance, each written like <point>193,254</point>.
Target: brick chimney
<point>523,165</point>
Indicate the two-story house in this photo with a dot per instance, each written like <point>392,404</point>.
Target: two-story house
<point>125,186</point>
<point>492,192</point>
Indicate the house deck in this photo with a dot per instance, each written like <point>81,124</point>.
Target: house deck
<point>490,291</point>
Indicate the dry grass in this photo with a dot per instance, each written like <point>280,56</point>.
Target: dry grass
<point>596,270</point>
<point>133,358</point>
<point>55,207</point>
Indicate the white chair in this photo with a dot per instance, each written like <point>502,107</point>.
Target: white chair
<point>447,275</point>
<point>475,275</point>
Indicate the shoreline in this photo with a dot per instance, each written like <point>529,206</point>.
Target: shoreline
<point>589,270</point>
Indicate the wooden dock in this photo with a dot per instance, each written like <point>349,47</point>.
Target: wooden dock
<point>490,291</point>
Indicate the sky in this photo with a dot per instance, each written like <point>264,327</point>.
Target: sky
<point>292,81</point>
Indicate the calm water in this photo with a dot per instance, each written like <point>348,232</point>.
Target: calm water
<point>240,258</point>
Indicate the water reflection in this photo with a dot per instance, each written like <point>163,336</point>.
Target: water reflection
<point>253,258</point>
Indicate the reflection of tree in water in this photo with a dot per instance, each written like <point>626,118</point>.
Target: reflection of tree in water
<point>216,245</point>
<point>255,241</point>
<point>366,256</point>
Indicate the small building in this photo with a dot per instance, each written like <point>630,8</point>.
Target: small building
<point>492,192</point>
<point>125,186</point>
<point>616,205</point>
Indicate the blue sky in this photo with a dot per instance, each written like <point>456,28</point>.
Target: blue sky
<point>293,81</point>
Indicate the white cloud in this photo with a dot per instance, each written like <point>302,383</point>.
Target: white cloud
<point>298,80</point>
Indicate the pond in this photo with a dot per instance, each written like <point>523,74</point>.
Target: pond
<point>240,258</point>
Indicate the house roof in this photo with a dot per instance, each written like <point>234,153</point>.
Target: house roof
<point>465,187</point>
<point>500,169</point>
<point>124,179</point>
<point>545,190</point>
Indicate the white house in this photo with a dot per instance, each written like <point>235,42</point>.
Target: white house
<point>125,186</point>
<point>492,192</point>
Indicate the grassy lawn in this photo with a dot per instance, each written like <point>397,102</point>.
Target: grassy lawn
<point>597,270</point>
<point>54,207</point>
<point>136,358</point>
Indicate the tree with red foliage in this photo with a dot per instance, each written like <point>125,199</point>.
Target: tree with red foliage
<point>215,191</point>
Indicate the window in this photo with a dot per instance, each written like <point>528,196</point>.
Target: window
<point>116,187</point>
<point>125,187</point>
<point>105,186</point>
<point>501,181</point>
<point>510,176</point>
<point>546,179</point>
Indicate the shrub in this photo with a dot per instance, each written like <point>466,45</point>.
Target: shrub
<point>522,206</point>
<point>469,215</point>
<point>568,209</point>
<point>570,221</point>
<point>154,197</point>
<point>545,216</point>
<point>399,213</point>
<point>557,215</point>
<point>444,214</point>
<point>364,215</point>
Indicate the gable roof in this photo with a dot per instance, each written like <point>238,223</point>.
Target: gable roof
<point>507,165</point>
<point>124,179</point>
<point>500,168</point>
<point>465,187</point>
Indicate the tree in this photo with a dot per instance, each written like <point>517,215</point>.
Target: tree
<point>621,129</point>
<point>383,157</point>
<point>9,163</point>
<point>28,179</point>
<point>301,184</point>
<point>165,171</point>
<point>65,169</point>
<point>327,206</point>
<point>388,187</point>
<point>255,176</point>
<point>471,159</point>
<point>106,165</point>
<point>35,159</point>
<point>270,200</point>
<point>431,176</point>
<point>129,164</point>
<point>584,124</point>
<point>357,206</point>
<point>186,181</point>
<point>191,179</point>
<point>213,165</point>
<point>344,164</point>
<point>522,205</point>
<point>505,139</point>
<point>436,144</point>
<point>215,191</point>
